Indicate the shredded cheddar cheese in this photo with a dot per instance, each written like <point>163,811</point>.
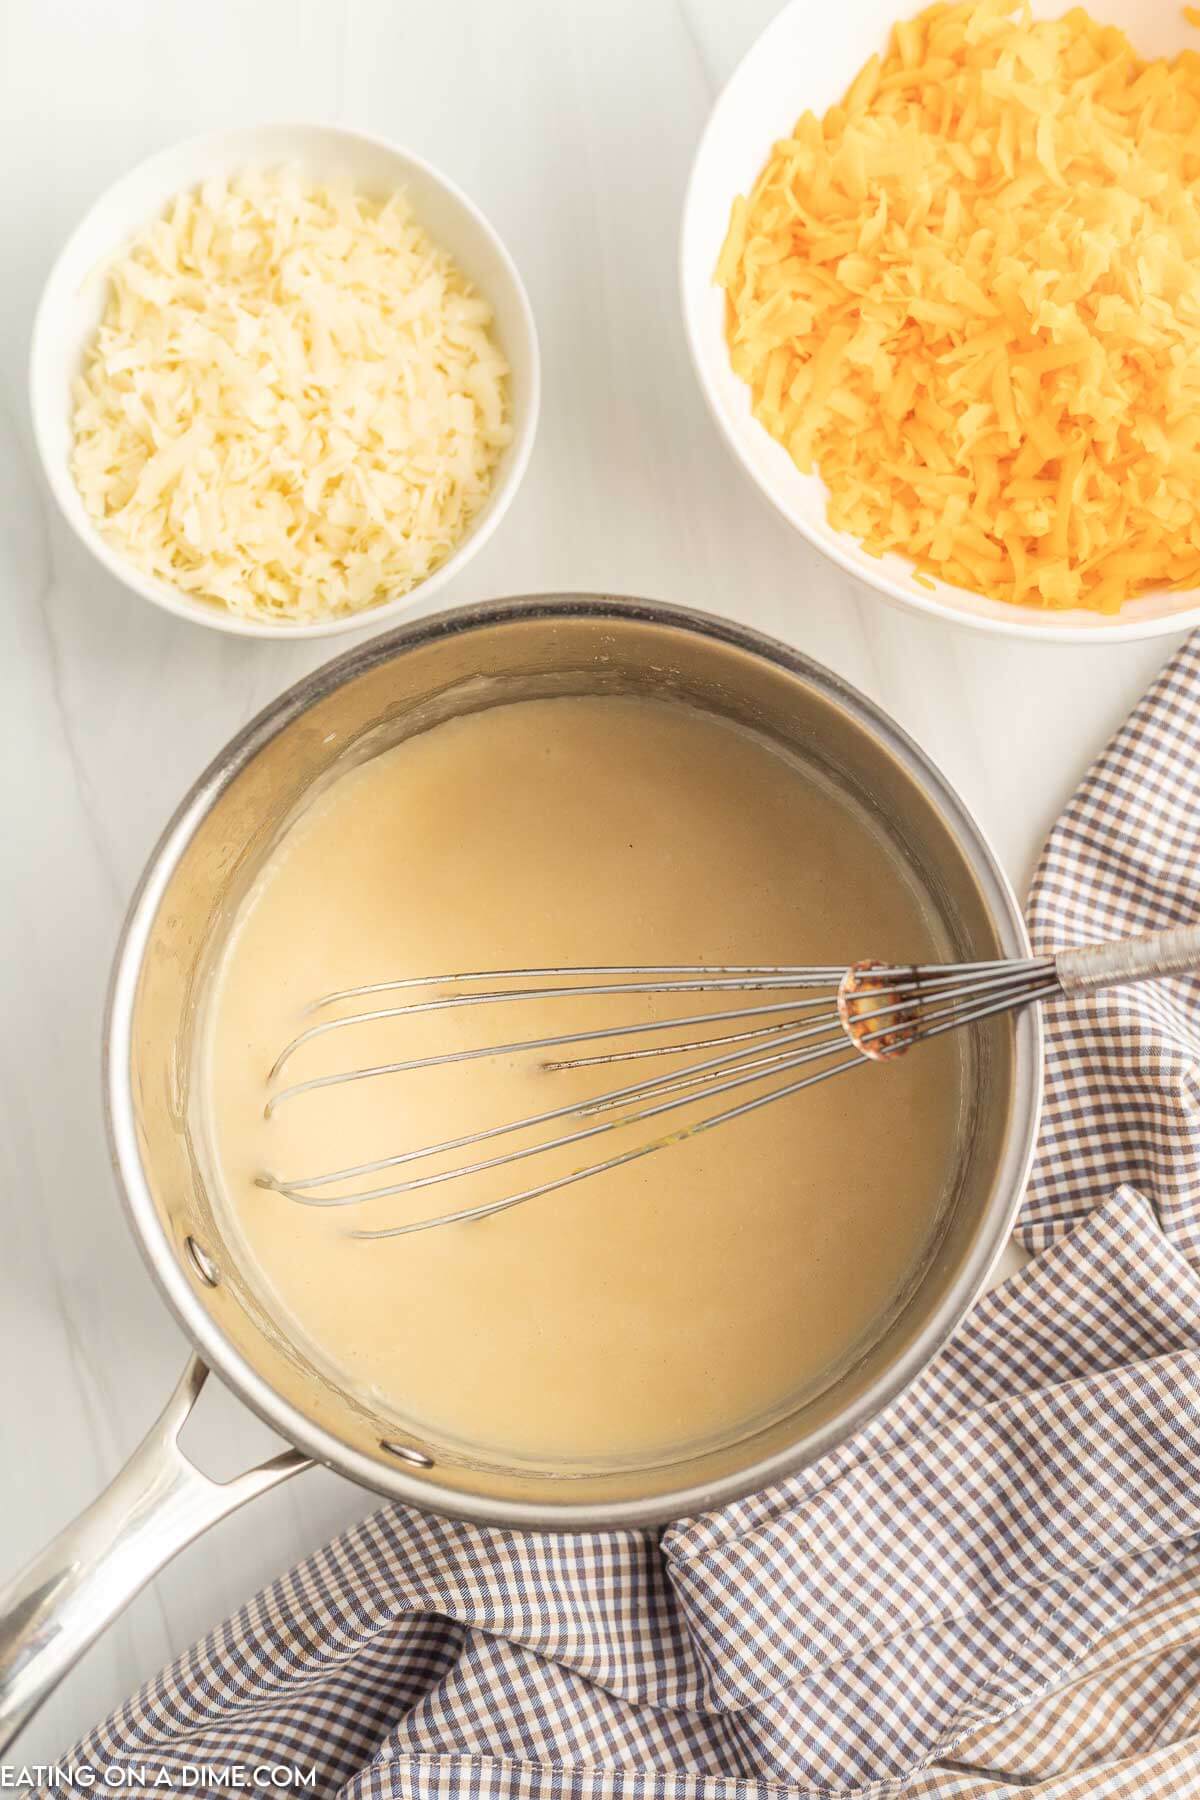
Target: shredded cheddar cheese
<point>969,296</point>
<point>294,405</point>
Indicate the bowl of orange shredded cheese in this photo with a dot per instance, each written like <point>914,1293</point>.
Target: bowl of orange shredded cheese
<point>941,283</point>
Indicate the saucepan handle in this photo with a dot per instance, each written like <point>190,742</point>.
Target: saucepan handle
<point>64,1599</point>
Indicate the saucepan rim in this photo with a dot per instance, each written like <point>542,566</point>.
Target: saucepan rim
<point>163,1257</point>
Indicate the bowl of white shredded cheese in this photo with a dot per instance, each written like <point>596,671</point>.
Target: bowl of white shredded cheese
<point>284,380</point>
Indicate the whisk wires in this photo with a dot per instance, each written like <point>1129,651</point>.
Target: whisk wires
<point>834,1020</point>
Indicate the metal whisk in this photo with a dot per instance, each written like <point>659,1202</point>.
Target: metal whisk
<point>835,1019</point>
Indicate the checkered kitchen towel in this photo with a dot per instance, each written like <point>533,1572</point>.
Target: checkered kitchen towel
<point>994,1588</point>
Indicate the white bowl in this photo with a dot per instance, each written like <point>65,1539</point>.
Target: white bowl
<point>74,297</point>
<point>806,58</point>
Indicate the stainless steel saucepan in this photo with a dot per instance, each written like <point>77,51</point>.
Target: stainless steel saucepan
<point>208,856</point>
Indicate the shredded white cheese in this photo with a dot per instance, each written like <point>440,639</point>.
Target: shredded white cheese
<point>293,405</point>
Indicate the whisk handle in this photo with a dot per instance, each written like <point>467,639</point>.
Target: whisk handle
<point>1094,966</point>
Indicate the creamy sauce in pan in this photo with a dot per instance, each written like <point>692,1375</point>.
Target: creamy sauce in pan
<point>669,1302</point>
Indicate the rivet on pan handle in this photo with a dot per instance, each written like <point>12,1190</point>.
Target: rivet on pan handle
<point>56,1607</point>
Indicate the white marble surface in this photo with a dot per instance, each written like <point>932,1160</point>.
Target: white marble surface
<point>573,126</point>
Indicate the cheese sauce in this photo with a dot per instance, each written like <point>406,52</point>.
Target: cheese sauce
<point>665,1304</point>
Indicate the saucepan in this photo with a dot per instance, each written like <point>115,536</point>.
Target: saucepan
<point>205,861</point>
